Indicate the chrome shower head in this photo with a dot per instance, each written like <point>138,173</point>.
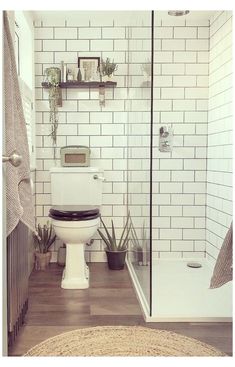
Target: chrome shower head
<point>178,13</point>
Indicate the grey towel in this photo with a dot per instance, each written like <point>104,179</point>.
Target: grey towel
<point>19,200</point>
<point>223,270</point>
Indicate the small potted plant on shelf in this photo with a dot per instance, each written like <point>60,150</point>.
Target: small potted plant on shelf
<point>43,240</point>
<point>107,69</point>
<point>116,250</point>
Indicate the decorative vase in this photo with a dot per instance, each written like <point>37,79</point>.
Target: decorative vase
<point>116,259</point>
<point>42,260</point>
<point>107,78</point>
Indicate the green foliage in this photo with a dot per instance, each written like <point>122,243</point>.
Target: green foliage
<point>44,238</point>
<point>110,238</point>
<point>107,67</point>
<point>54,95</point>
<point>53,76</point>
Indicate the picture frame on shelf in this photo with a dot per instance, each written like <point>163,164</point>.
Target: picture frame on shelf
<point>89,67</point>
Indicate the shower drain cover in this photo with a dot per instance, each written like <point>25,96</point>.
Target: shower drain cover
<point>194,265</point>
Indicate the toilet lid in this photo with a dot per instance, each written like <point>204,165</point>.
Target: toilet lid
<point>74,212</point>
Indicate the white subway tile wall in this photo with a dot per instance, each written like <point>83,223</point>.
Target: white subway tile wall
<point>81,119</point>
<point>183,62</point>
<point>219,162</point>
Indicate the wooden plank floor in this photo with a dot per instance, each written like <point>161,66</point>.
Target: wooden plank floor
<point>110,300</point>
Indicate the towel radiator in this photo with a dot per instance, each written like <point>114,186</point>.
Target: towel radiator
<point>17,279</point>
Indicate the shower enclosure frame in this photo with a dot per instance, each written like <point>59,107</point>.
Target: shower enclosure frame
<point>147,309</point>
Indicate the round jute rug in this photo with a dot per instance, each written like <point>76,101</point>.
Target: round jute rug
<point>122,341</point>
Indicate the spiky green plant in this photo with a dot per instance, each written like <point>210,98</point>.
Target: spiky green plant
<point>110,239</point>
<point>107,67</point>
<point>43,237</point>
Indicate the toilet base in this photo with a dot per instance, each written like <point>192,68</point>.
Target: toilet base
<point>75,283</point>
<point>76,272</point>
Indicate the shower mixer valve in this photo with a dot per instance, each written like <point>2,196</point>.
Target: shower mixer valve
<point>166,139</point>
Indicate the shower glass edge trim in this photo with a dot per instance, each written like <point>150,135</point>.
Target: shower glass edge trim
<point>151,155</point>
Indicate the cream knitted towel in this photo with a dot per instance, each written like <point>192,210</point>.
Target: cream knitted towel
<point>223,270</point>
<point>19,200</point>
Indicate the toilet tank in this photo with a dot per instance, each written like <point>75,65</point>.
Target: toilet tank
<point>76,186</point>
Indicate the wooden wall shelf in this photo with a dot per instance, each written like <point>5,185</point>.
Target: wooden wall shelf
<point>83,84</point>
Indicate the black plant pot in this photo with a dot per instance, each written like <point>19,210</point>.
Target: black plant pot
<point>116,259</point>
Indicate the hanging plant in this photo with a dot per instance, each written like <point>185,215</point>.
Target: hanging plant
<point>53,102</point>
<point>53,76</point>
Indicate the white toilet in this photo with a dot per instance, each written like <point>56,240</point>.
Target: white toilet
<point>76,195</point>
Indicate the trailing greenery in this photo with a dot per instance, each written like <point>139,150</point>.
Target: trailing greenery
<point>44,238</point>
<point>53,78</point>
<point>110,239</point>
<point>54,93</point>
<point>107,67</point>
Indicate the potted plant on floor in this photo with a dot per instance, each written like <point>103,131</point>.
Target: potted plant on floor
<point>43,240</point>
<point>116,250</point>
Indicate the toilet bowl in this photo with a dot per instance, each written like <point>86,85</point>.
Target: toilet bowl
<point>75,216</point>
<point>75,227</point>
